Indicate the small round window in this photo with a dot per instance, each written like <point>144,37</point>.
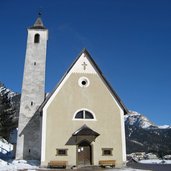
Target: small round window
<point>83,82</point>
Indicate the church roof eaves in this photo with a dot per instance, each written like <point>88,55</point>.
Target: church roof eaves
<point>101,74</point>
<point>85,131</point>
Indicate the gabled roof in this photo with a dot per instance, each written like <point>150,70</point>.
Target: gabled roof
<point>85,131</point>
<point>100,74</point>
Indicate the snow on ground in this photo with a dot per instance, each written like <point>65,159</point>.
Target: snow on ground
<point>5,147</point>
<point>155,161</point>
<point>18,165</point>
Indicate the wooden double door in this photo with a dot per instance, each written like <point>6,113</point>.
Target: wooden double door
<point>84,153</point>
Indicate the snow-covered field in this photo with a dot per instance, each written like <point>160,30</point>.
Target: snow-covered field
<point>155,161</point>
<point>18,165</point>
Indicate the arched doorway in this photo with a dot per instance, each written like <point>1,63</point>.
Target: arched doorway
<point>84,153</point>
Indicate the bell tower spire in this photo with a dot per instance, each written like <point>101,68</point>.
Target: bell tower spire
<point>38,23</point>
<point>33,91</point>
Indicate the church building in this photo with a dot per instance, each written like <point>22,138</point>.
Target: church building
<point>81,121</point>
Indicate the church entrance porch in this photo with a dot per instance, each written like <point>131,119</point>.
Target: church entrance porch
<point>84,153</point>
<point>83,138</point>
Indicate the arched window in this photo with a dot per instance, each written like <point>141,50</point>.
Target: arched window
<point>84,114</point>
<point>37,38</point>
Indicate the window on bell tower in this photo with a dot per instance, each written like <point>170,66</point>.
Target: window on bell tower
<point>37,38</point>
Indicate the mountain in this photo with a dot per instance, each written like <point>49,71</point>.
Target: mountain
<point>136,119</point>
<point>142,135</point>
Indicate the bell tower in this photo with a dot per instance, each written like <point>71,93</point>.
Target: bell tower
<point>33,91</point>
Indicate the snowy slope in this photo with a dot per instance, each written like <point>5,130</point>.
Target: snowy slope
<point>164,127</point>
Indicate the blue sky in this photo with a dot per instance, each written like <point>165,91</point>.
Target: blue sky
<point>129,40</point>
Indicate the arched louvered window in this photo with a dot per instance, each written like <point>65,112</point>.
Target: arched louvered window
<point>37,38</point>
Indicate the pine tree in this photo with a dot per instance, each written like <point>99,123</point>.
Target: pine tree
<point>6,114</point>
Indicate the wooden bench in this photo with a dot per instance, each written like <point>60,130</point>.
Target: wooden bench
<point>104,163</point>
<point>57,163</point>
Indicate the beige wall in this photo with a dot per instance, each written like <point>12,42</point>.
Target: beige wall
<point>60,124</point>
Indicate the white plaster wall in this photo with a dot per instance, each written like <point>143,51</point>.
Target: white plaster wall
<point>33,91</point>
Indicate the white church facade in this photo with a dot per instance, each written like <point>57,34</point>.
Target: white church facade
<point>81,121</point>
